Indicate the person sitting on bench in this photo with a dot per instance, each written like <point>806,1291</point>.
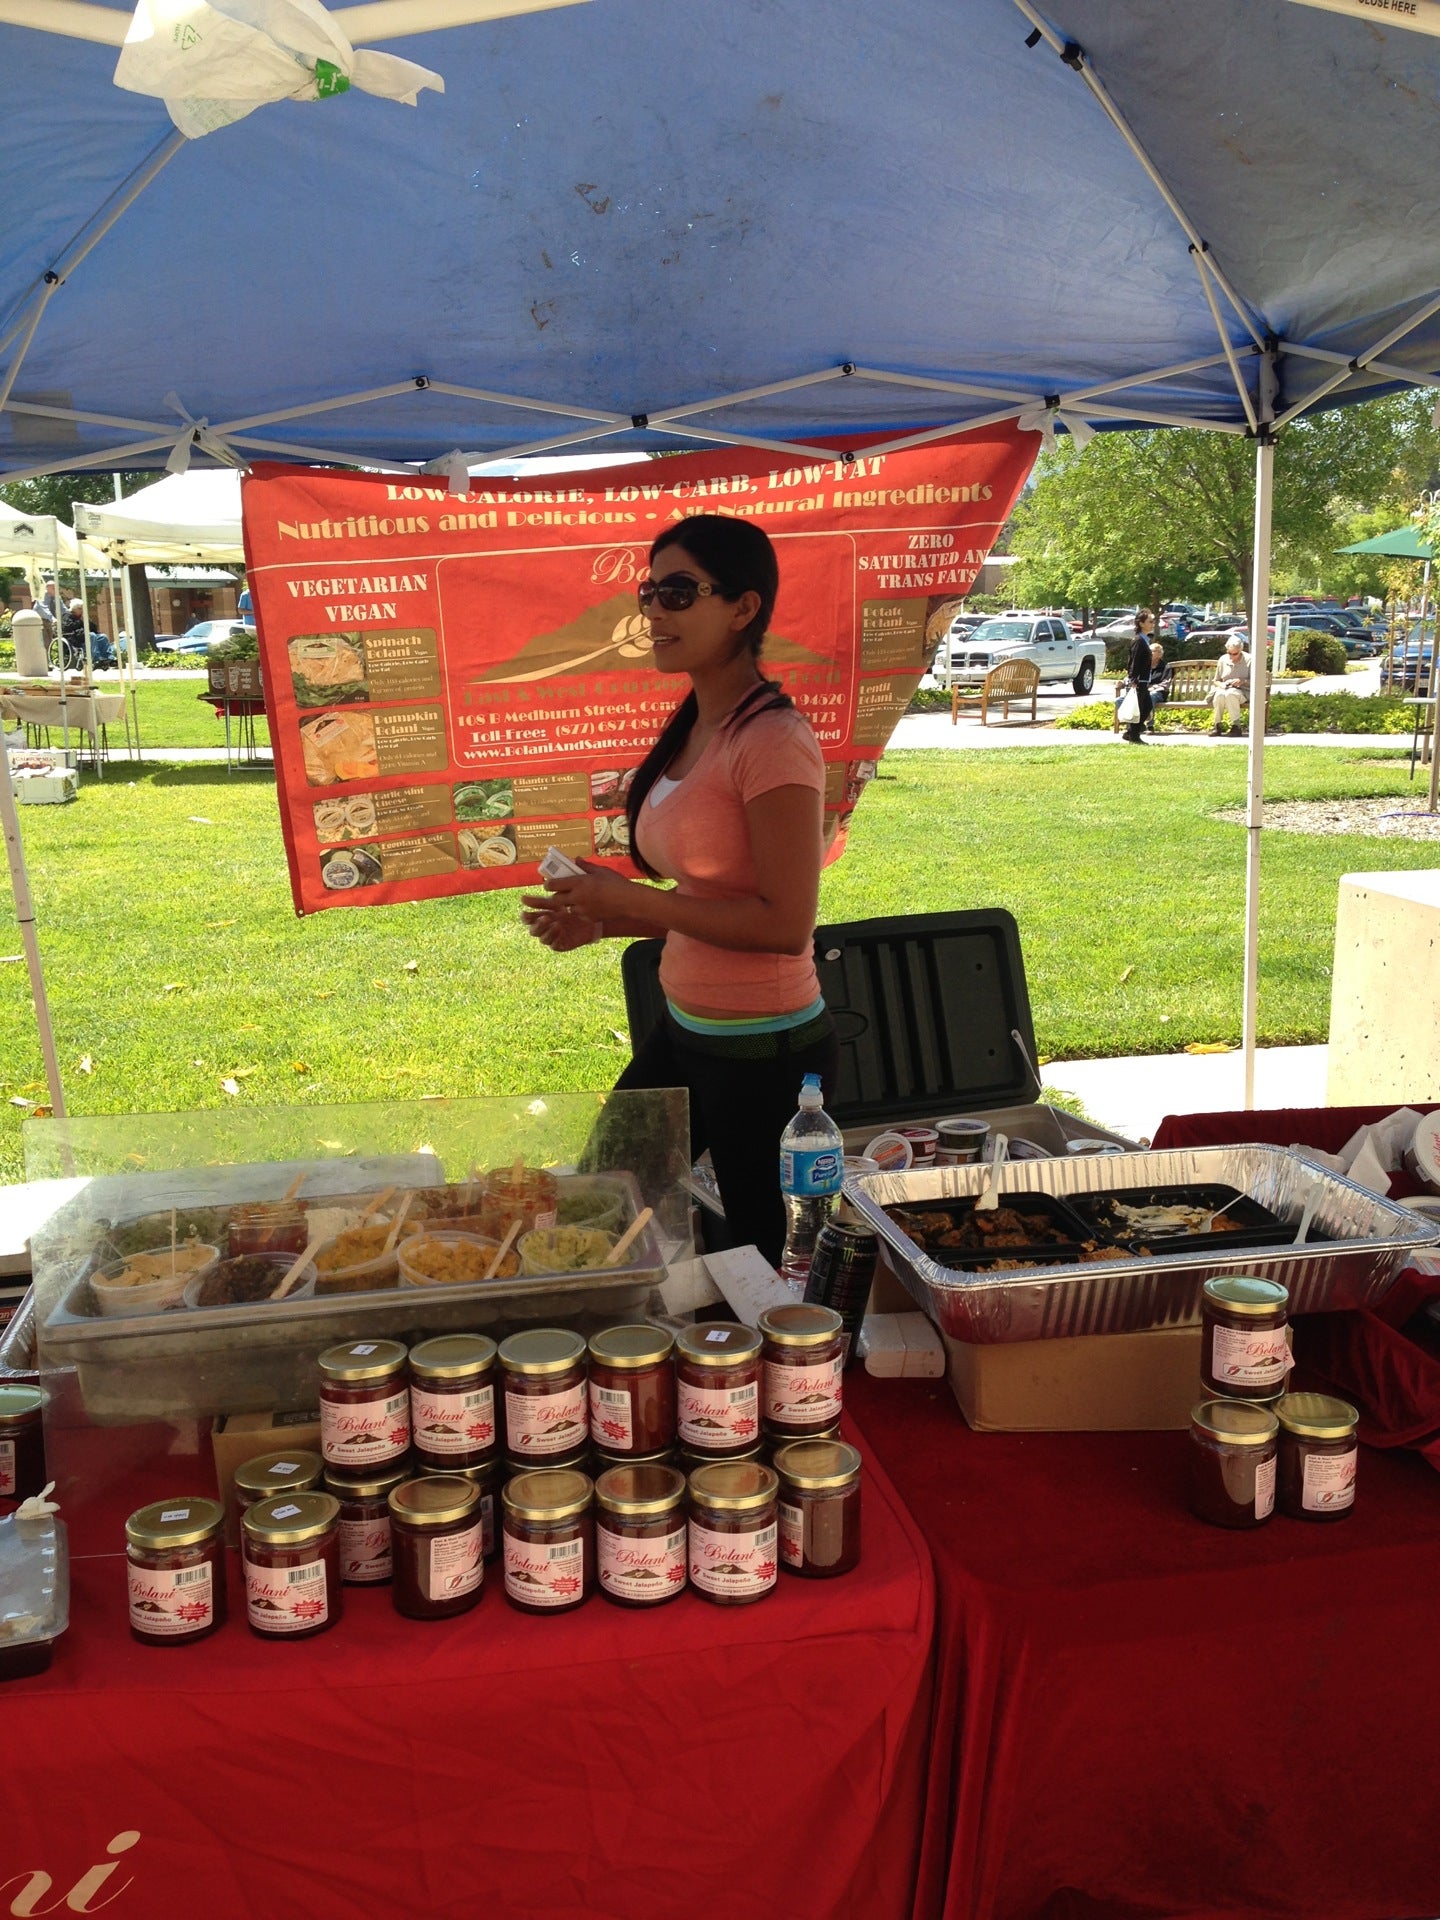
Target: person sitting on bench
<point>1231,683</point>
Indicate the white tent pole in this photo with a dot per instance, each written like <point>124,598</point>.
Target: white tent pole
<point>128,598</point>
<point>60,642</point>
<point>1068,401</point>
<point>1255,783</point>
<point>25,914</point>
<point>1362,361</point>
<point>1413,376</point>
<point>1202,268</point>
<point>18,358</point>
<point>43,412</point>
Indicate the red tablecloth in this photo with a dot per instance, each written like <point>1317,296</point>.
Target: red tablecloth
<point>1140,1717</point>
<point>759,1761</point>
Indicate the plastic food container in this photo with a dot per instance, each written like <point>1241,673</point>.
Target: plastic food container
<point>564,1249</point>
<point>364,1275</point>
<point>590,1203</point>
<point>166,1289</point>
<point>451,1260</point>
<point>280,1262</point>
<point>34,1593</point>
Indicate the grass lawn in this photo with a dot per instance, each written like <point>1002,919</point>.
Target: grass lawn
<point>175,959</point>
<point>173,715</point>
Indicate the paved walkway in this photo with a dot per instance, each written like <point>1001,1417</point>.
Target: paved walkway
<point>930,731</point>
<point>1132,1096</point>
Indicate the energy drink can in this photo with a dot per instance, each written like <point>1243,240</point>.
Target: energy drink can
<point>842,1271</point>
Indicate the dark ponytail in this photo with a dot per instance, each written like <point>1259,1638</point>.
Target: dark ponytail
<point>739,557</point>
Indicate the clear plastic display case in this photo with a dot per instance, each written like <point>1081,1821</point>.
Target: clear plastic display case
<point>156,1307</point>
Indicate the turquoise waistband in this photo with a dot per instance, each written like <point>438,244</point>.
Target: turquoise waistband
<point>777,1023</point>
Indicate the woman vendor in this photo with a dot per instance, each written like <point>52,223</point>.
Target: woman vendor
<point>728,805</point>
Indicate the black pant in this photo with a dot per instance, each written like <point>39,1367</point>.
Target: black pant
<point>739,1107</point>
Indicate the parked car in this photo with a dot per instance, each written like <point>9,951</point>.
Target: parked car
<point>202,636</point>
<point>1410,661</point>
<point>1356,638</point>
<point>1044,638</point>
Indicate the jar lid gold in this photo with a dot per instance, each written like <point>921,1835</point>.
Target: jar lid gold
<point>800,1325</point>
<point>817,1464</point>
<point>556,1493</point>
<point>452,1355</point>
<point>1316,1416</point>
<point>174,1523</point>
<point>361,1360</point>
<point>632,1346</point>
<point>734,1486</point>
<point>365,1486</point>
<point>268,1473</point>
<point>717,1343</point>
<point>640,1492</point>
<point>1239,1423</point>
<point>435,1501</point>
<point>477,1476</point>
<point>19,1403</point>
<point>542,1350</point>
<point>290,1519</point>
<point>1246,1293</point>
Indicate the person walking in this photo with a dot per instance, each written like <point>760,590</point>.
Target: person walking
<point>1227,689</point>
<point>1138,675</point>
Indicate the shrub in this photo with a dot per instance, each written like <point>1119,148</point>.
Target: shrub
<point>1316,652</point>
<point>1289,713</point>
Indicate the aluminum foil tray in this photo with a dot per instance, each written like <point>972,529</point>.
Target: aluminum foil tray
<point>1363,1242</point>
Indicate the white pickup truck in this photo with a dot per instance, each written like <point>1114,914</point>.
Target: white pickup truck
<point>1041,637</point>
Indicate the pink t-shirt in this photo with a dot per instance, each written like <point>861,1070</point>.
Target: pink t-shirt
<point>698,836</point>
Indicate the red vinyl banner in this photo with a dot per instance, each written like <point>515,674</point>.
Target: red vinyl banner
<point>455,683</point>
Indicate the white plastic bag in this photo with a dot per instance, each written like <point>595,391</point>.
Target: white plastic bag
<point>1128,712</point>
<point>214,61</point>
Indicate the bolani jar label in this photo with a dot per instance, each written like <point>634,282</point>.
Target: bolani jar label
<point>645,1570</point>
<point>735,1563</point>
<point>286,1599</point>
<point>1245,1359</point>
<point>450,1423</point>
<point>1328,1483</point>
<point>168,1605</point>
<point>456,1565</point>
<point>804,1394</point>
<point>540,1424</point>
<point>717,1417</point>
<point>7,1466</point>
<point>544,1576</point>
<point>792,1535</point>
<point>365,1552</point>
<point>367,1434</point>
<point>612,1424</point>
<point>1265,1488</point>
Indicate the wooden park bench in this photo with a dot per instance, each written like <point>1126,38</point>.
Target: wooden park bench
<point>1017,680</point>
<point>1191,684</point>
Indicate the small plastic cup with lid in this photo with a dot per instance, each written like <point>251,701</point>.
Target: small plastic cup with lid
<point>1318,1456</point>
<point>1232,1463</point>
<point>175,1571</point>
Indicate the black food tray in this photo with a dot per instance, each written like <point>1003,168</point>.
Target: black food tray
<point>1257,1225</point>
<point>1030,1253</point>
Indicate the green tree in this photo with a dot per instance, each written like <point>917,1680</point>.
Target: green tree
<point>54,494</point>
<point>1156,515</point>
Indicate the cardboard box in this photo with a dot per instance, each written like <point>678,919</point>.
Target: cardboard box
<point>1096,1383</point>
<point>239,1437</point>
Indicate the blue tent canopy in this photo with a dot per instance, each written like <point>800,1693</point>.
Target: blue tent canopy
<point>621,208</point>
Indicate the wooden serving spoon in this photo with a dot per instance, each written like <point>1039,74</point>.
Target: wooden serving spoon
<point>627,1239</point>
<point>504,1247</point>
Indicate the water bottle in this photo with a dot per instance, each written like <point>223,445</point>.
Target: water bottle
<point>812,1166</point>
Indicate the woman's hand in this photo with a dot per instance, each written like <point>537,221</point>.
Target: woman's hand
<point>553,927</point>
<point>598,894</point>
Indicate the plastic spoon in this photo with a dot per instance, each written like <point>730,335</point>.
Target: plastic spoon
<point>989,1200</point>
<point>1306,1217</point>
<point>504,1247</point>
<point>632,1233</point>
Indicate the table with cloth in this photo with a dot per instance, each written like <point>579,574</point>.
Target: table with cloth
<point>1140,1717</point>
<point>86,712</point>
<point>762,1761</point>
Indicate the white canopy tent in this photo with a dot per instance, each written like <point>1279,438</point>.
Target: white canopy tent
<point>184,517</point>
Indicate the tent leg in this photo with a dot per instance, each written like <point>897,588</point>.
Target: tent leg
<point>25,914</point>
<point>1255,784</point>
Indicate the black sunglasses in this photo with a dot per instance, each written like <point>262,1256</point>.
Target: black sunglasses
<point>675,592</point>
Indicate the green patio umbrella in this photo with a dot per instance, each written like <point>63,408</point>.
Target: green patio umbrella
<point>1405,543</point>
